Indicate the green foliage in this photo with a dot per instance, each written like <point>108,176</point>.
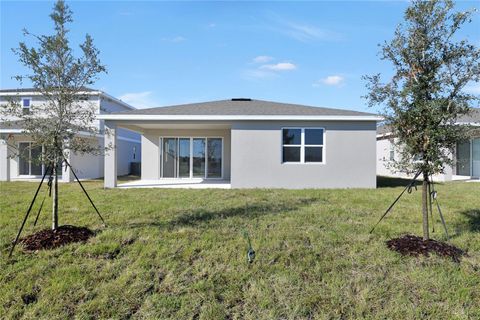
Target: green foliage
<point>181,254</point>
<point>61,78</point>
<point>424,97</point>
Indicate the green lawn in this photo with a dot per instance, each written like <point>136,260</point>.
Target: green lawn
<point>180,254</point>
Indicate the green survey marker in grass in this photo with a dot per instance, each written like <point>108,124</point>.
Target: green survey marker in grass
<point>181,254</point>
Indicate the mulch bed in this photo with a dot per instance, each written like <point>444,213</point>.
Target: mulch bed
<point>415,246</point>
<point>49,239</point>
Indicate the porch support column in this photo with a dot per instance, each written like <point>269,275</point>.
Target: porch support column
<point>67,175</point>
<point>110,176</point>
<point>4,161</point>
<point>448,174</point>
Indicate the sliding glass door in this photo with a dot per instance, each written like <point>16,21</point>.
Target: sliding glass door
<point>184,158</point>
<point>463,158</point>
<point>191,157</point>
<point>468,158</point>
<point>214,151</point>
<point>169,158</point>
<point>198,158</point>
<point>476,157</point>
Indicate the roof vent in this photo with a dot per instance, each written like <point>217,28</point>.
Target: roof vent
<point>241,99</point>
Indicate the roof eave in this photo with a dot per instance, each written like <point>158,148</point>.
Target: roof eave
<point>142,117</point>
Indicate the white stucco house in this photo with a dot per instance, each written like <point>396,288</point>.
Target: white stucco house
<point>12,139</point>
<point>247,143</point>
<point>466,155</point>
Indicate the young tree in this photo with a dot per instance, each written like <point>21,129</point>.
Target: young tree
<point>65,122</point>
<point>424,97</point>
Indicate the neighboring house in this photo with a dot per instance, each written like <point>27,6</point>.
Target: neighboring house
<point>13,139</point>
<point>251,144</point>
<point>466,155</point>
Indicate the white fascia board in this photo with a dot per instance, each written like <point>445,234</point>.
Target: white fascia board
<point>37,93</point>
<point>470,124</point>
<point>143,117</point>
<point>383,135</point>
<point>11,130</point>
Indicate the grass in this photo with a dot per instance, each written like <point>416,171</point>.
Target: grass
<point>181,254</point>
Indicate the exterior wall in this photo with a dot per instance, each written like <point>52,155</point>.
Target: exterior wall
<point>349,162</point>
<point>151,148</point>
<point>125,155</point>
<point>111,106</point>
<point>383,157</point>
<point>383,160</point>
<point>38,103</point>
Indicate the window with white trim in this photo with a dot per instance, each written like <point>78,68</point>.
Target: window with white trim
<point>392,151</point>
<point>302,145</point>
<point>26,104</point>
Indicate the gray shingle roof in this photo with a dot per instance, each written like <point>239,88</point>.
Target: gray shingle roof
<point>245,107</point>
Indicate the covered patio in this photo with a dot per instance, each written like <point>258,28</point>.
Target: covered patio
<point>174,153</point>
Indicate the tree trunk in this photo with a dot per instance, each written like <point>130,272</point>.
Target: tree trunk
<point>425,196</point>
<point>55,197</point>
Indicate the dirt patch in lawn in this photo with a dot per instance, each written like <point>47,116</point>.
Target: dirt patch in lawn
<point>415,246</point>
<point>49,239</point>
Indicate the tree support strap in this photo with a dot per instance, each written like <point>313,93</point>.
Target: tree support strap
<point>85,191</point>
<point>433,196</point>
<point>28,212</point>
<point>49,184</point>
<point>409,188</point>
<point>430,186</point>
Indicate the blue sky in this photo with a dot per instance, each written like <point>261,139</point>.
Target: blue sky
<point>163,53</point>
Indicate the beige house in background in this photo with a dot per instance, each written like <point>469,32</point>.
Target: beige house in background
<point>466,156</point>
<point>12,140</point>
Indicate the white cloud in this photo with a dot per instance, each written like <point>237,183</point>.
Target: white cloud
<point>302,31</point>
<point>333,80</point>
<point>139,99</point>
<point>281,66</point>
<point>305,32</point>
<point>262,59</point>
<point>176,39</point>
<point>473,88</point>
<point>264,70</point>
<point>259,74</point>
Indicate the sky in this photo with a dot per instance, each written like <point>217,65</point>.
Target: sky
<point>166,53</point>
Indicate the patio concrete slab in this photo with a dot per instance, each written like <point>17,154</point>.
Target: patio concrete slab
<point>177,184</point>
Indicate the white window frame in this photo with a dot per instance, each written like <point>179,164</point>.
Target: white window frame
<point>391,154</point>
<point>29,161</point>
<point>29,108</point>
<point>205,177</point>
<point>302,146</point>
